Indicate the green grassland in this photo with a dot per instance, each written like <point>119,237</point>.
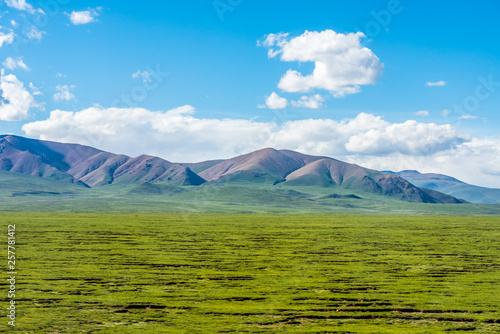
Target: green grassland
<point>254,273</point>
<point>20,192</point>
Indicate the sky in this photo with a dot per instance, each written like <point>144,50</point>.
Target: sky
<point>390,85</point>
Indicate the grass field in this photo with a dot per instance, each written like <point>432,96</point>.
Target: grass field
<point>25,193</point>
<point>207,273</point>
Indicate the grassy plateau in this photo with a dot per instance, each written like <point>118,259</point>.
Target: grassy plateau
<point>254,273</point>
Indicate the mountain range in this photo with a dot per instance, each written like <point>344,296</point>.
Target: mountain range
<point>86,165</point>
<point>451,186</point>
<point>274,172</point>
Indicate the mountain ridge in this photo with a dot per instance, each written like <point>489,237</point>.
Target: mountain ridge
<point>92,167</point>
<point>86,164</point>
<point>451,186</point>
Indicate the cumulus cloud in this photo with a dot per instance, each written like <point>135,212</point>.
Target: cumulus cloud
<point>310,102</point>
<point>274,101</point>
<point>342,65</point>
<point>144,75</point>
<point>83,17</point>
<point>13,63</point>
<point>409,138</point>
<point>422,113</point>
<point>436,84</point>
<point>16,100</point>
<point>23,5</point>
<point>6,38</point>
<point>365,135</point>
<point>175,132</point>
<point>64,93</point>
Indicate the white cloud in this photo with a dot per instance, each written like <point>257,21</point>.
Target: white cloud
<point>175,134</point>
<point>14,23</point>
<point>34,90</point>
<point>64,93</point>
<point>310,102</point>
<point>274,101</point>
<point>422,113</point>
<point>482,156</point>
<point>6,38</point>
<point>16,100</point>
<point>22,5</point>
<point>60,75</point>
<point>410,138</point>
<point>342,65</point>
<point>144,75</point>
<point>83,17</point>
<point>436,84</point>
<point>177,131</point>
<point>33,33</point>
<point>468,117</point>
<point>13,63</point>
<point>365,135</point>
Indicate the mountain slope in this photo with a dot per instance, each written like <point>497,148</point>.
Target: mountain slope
<point>151,169</point>
<point>199,167</point>
<point>99,169</point>
<point>87,165</point>
<point>30,157</point>
<point>452,186</point>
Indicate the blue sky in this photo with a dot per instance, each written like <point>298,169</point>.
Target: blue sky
<point>211,60</point>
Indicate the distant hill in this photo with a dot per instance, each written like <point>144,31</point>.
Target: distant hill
<point>451,186</point>
<point>269,169</point>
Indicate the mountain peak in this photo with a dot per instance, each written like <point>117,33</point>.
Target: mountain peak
<point>411,171</point>
<point>277,164</point>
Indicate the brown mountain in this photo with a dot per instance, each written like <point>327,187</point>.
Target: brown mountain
<point>273,164</point>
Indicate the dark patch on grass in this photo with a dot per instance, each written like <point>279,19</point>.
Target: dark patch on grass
<point>465,329</point>
<point>243,299</point>
<point>27,193</point>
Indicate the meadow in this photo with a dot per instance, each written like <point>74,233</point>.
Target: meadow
<point>254,273</point>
